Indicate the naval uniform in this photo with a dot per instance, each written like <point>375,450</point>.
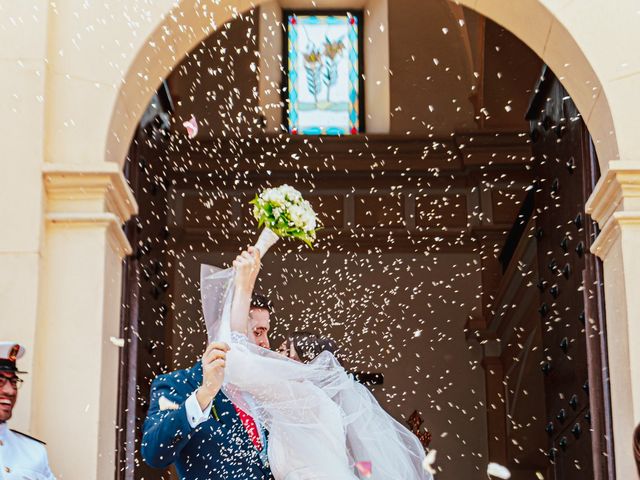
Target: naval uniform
<point>22,457</point>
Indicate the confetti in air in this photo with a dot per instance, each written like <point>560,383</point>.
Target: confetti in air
<point>192,126</point>
<point>498,471</point>
<point>364,469</point>
<point>429,461</point>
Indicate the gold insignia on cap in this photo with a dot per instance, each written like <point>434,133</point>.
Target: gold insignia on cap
<point>13,353</point>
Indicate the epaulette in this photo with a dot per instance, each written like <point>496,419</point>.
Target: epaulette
<point>28,436</point>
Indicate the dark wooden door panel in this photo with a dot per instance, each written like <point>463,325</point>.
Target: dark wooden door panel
<point>566,168</point>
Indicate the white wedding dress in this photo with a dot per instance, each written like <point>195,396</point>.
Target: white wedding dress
<point>321,422</point>
<point>306,435</point>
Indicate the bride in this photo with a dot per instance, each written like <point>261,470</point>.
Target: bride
<point>322,424</point>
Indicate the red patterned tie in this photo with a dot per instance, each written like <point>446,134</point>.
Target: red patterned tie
<point>250,426</point>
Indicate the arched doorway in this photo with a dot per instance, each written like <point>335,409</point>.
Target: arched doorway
<point>188,23</point>
<point>251,179</point>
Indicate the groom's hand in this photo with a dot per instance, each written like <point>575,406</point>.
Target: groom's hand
<point>213,363</point>
<point>247,266</point>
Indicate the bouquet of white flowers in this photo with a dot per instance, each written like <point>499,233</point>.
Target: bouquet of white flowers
<point>283,213</point>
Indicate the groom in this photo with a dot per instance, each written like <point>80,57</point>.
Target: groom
<point>193,425</point>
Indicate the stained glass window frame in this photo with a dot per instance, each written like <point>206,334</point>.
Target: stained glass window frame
<point>289,125</point>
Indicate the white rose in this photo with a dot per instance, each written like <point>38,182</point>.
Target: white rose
<point>291,193</point>
<point>297,216</point>
<point>274,197</point>
<point>310,223</point>
<point>266,196</point>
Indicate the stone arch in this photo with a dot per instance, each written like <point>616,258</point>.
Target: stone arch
<point>189,22</point>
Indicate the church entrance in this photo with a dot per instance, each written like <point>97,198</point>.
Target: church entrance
<point>453,268</point>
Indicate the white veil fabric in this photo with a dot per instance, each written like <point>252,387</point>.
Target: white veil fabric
<point>321,422</point>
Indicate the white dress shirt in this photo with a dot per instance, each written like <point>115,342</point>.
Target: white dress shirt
<point>21,457</point>
<point>195,415</point>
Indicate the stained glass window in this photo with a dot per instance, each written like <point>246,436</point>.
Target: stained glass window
<point>324,87</point>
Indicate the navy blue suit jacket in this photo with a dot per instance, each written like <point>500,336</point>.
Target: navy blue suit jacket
<point>217,449</point>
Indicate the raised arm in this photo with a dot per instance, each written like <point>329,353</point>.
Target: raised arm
<point>167,430</point>
<point>247,266</point>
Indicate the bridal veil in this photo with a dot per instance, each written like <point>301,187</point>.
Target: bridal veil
<point>339,415</point>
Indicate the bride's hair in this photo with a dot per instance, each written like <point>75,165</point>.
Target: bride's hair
<point>309,345</point>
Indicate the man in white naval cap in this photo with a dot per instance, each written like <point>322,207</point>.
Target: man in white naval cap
<point>21,456</point>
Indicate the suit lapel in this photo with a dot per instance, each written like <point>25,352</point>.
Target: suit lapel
<point>224,407</point>
<point>226,410</point>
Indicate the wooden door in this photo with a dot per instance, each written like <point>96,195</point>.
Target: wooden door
<point>146,300</point>
<point>570,284</point>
